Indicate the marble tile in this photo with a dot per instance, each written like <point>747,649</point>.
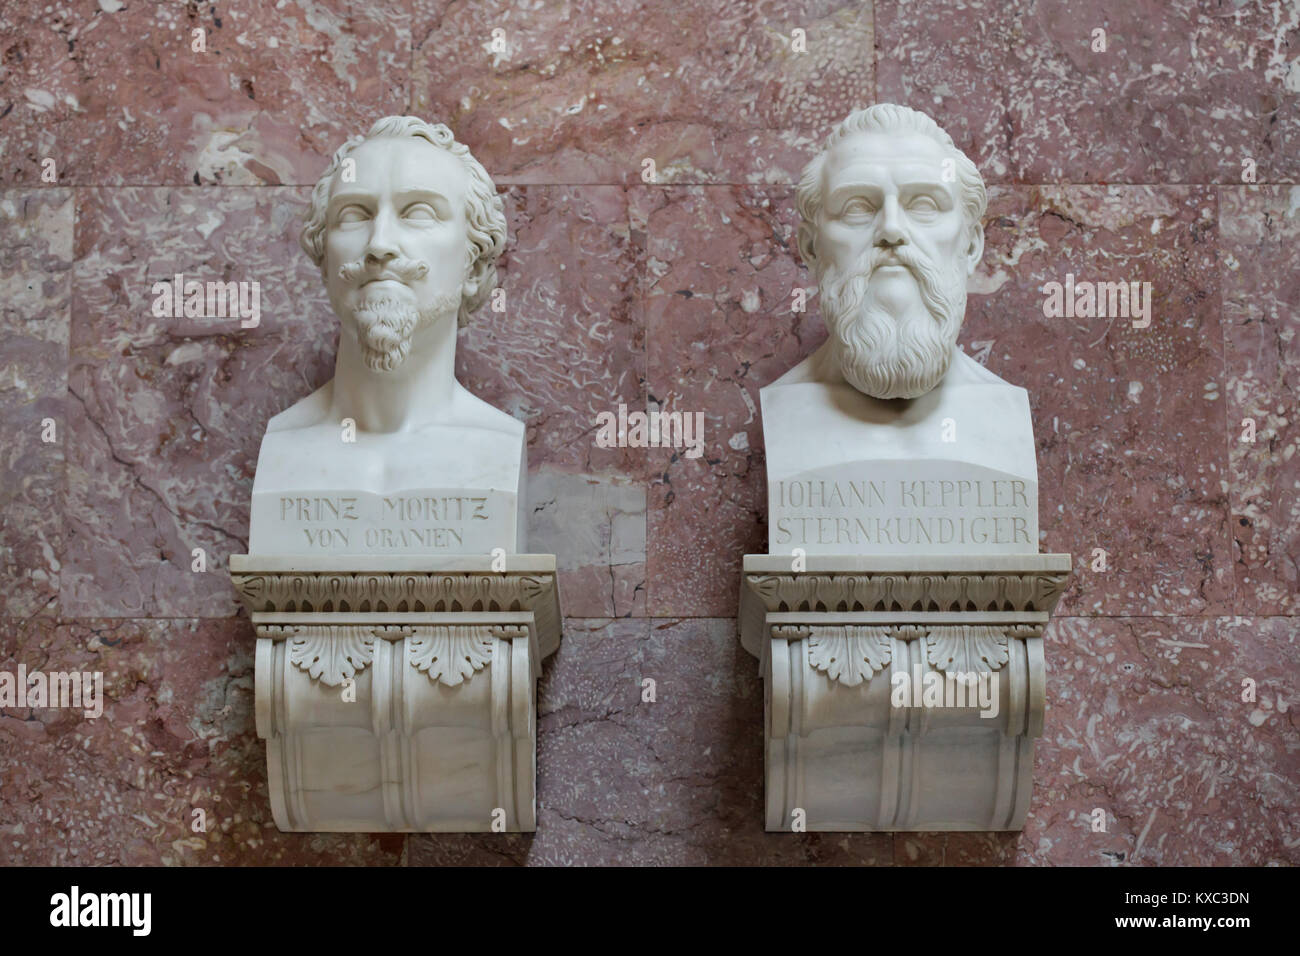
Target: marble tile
<point>957,848</point>
<point>176,735</point>
<point>595,527</point>
<point>585,92</point>
<point>117,93</point>
<point>167,413</point>
<point>1260,258</point>
<point>1129,422</point>
<point>980,849</point>
<point>1145,720</point>
<point>677,780</point>
<point>36,228</point>
<point>570,342</point>
<point>919,849</point>
<point>1184,92</point>
<point>568,346</point>
<point>722,273</point>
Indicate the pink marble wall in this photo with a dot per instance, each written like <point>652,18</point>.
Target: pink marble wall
<point>1118,165</point>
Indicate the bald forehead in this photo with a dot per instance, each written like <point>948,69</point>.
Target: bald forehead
<point>884,158</point>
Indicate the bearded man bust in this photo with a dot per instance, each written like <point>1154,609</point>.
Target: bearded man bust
<point>902,555</point>
<point>393,455</point>
<point>889,438</point>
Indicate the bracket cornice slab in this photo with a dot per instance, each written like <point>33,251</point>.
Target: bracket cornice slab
<point>386,587</point>
<point>933,589</point>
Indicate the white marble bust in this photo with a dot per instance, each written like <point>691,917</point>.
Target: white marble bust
<point>889,438</point>
<point>393,455</point>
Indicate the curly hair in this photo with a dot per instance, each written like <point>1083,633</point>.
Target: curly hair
<point>885,118</point>
<point>484,212</point>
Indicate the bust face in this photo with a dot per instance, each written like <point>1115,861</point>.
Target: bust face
<point>894,251</point>
<point>883,189</point>
<point>396,244</point>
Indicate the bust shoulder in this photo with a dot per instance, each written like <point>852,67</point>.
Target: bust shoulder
<point>469,443</point>
<point>305,412</point>
<point>964,370</point>
<point>467,411</point>
<point>470,411</point>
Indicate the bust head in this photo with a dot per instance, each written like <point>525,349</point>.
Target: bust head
<point>406,227</point>
<point>891,227</point>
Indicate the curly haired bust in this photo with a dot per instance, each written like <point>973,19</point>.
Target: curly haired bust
<point>406,228</point>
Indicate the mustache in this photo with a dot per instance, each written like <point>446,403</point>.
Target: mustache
<point>916,262</point>
<point>937,282</point>
<point>404,270</point>
<point>902,254</point>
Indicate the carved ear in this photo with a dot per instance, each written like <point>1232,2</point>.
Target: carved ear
<point>976,249</point>
<point>469,288</point>
<point>807,246</point>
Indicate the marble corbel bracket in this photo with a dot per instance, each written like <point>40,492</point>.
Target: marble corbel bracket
<point>851,649</point>
<point>397,694</point>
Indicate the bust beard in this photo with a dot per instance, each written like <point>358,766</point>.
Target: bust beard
<point>386,325</point>
<point>887,355</point>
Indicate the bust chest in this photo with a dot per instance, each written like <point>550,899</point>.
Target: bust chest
<point>438,489</point>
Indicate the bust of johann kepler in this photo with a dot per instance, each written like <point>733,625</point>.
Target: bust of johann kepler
<point>889,438</point>
<point>393,455</point>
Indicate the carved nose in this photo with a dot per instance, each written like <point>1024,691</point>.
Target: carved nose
<point>382,246</point>
<point>891,226</point>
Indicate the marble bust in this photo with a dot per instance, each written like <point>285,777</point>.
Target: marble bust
<point>902,514</point>
<point>393,455</point>
<point>917,448</point>
<point>401,627</point>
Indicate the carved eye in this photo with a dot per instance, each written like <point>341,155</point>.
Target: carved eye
<point>858,208</point>
<point>421,211</point>
<point>352,213</point>
<point>923,204</point>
